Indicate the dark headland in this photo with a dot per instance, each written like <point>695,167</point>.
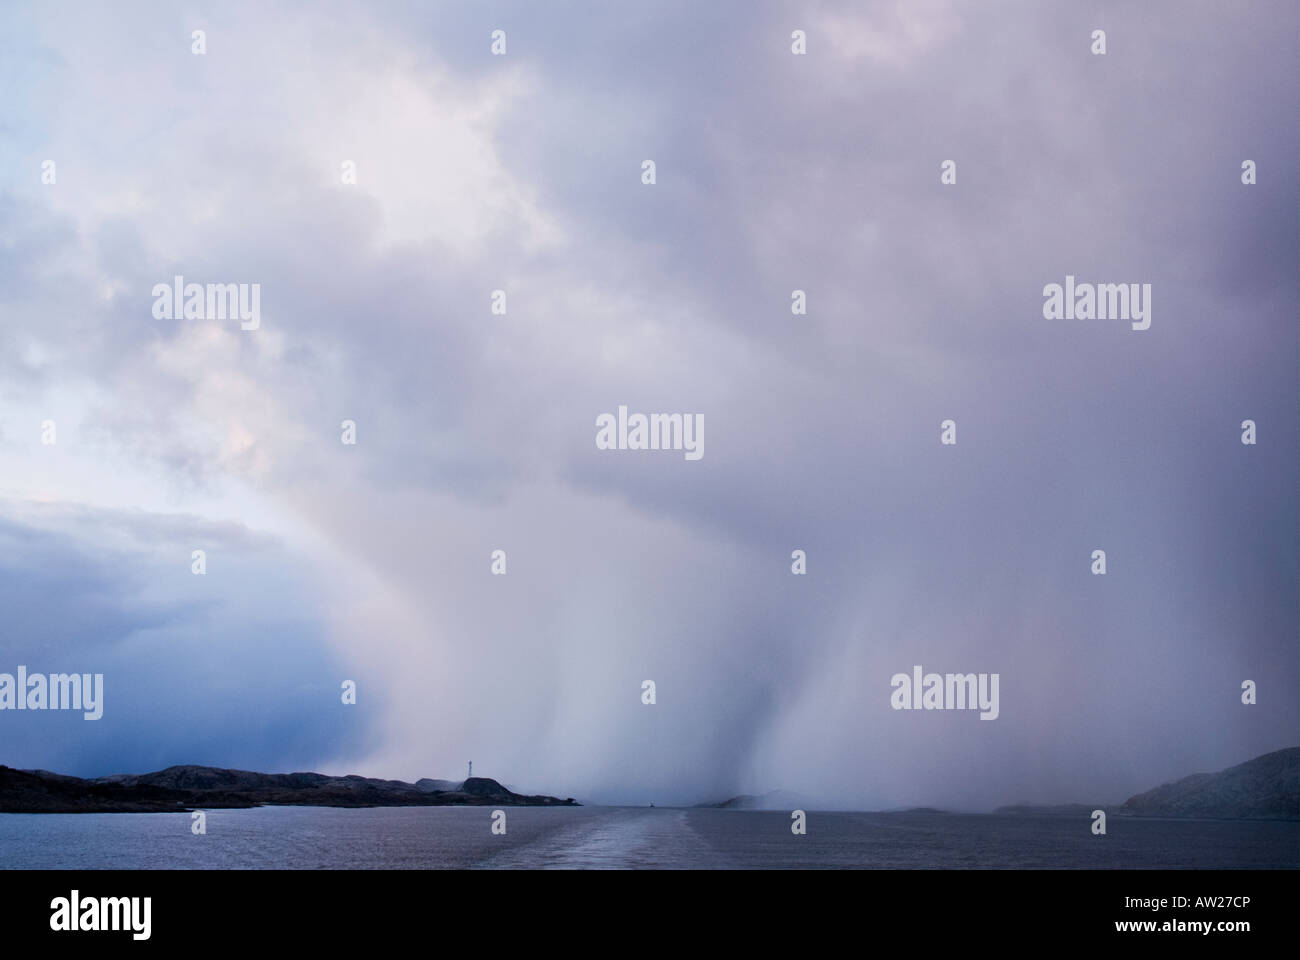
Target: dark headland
<point>183,788</point>
<point>1266,788</point>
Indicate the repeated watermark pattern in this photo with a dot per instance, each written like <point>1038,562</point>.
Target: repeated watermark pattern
<point>255,403</point>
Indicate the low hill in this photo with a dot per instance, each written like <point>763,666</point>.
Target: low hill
<point>183,787</point>
<point>1266,788</point>
<point>772,800</point>
<point>1051,810</point>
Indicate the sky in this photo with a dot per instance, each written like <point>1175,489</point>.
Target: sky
<point>475,431</point>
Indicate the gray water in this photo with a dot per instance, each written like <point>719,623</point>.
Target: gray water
<point>627,837</point>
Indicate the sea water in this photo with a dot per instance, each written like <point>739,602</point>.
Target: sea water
<point>629,837</point>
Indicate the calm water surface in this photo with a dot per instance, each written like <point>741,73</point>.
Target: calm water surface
<point>627,837</point>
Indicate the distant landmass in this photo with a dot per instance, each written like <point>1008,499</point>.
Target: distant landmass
<point>186,787</point>
<point>1266,788</point>
<point>772,800</point>
<point>1054,810</point>
<point>785,800</point>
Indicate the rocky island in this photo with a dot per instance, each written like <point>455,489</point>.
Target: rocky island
<point>188,787</point>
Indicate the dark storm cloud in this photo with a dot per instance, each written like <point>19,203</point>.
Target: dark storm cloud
<point>196,670</point>
<point>774,173</point>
